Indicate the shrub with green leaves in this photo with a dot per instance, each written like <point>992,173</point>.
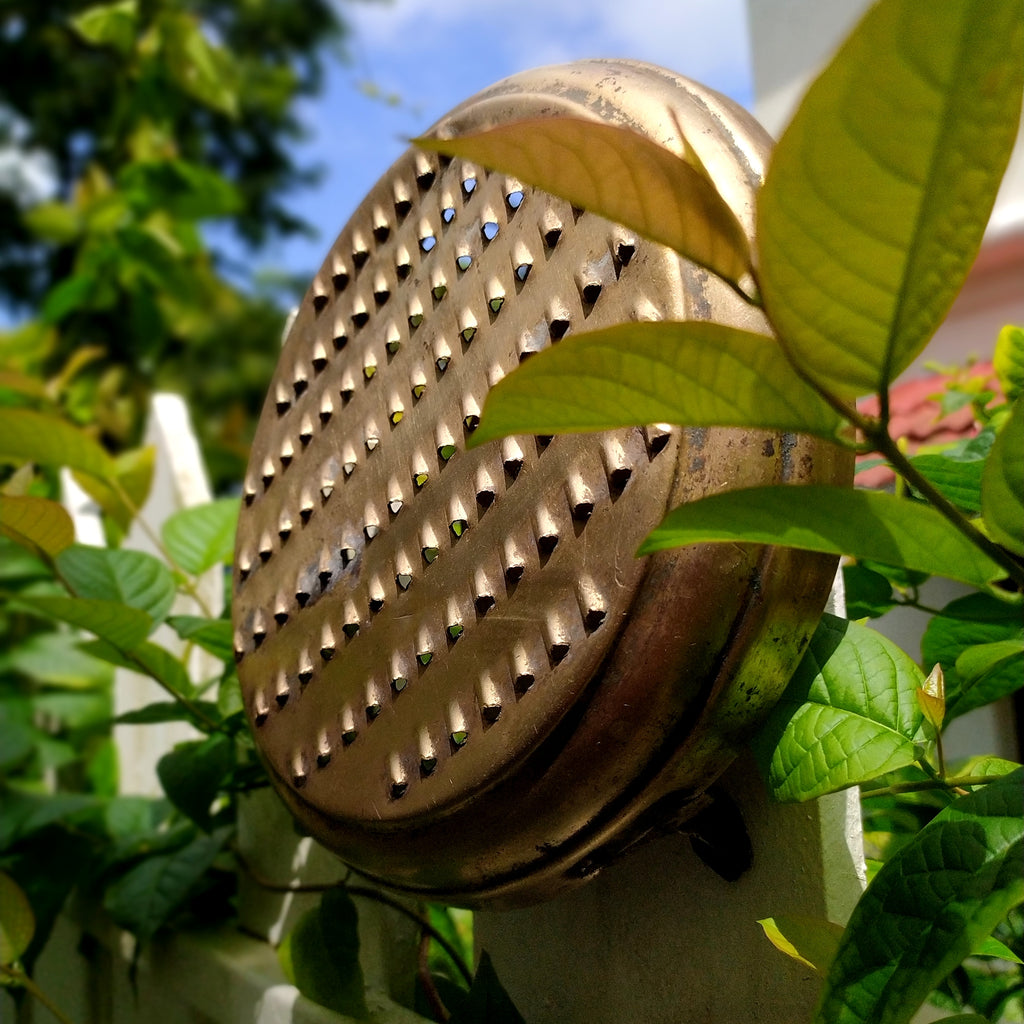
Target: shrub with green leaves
<point>872,211</point>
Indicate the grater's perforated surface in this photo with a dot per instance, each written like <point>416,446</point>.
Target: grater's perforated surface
<point>412,619</point>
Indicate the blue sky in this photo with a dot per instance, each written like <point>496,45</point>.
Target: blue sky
<point>436,53</point>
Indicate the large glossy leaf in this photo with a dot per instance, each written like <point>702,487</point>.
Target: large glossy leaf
<point>37,524</point>
<point>697,374</point>
<point>866,524</point>
<point>112,24</point>
<point>148,658</point>
<point>201,537</point>
<point>849,714</point>
<point>879,191</point>
<point>971,628</point>
<point>133,472</point>
<point>192,773</point>
<point>112,621</point>
<point>929,906</point>
<point>29,436</point>
<point>957,479</point>
<point>321,955</point>
<point>620,174</point>
<point>145,897</point>
<point>56,660</point>
<point>132,577</point>
<point>1002,485</point>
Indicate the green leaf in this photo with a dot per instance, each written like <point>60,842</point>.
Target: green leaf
<point>37,524</point>
<point>321,955</point>
<point>112,25</point>
<point>868,593</point>
<point>204,536</point>
<point>1008,361</point>
<point>978,661</point>
<point>200,69</point>
<point>967,624</point>
<point>619,174</point>
<point>993,947</point>
<point>133,471</point>
<point>112,621</point>
<point>29,436</point>
<point>54,222</point>
<point>849,714</point>
<point>213,635</point>
<point>149,659</point>
<point>79,291</point>
<point>957,479</point>
<point>164,711</point>
<point>879,191</point>
<point>56,659</point>
<point>929,906</point>
<point>696,374</point>
<point>192,773</point>
<point>17,922</point>
<point>17,743</point>
<point>134,578</point>
<point>1002,486</point>
<point>147,895</point>
<point>488,1000</point>
<point>864,524</point>
<point>811,941</point>
<point>27,813</point>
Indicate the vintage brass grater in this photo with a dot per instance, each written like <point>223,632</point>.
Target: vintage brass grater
<point>459,676</point>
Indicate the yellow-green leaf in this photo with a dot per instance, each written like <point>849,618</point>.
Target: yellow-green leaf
<point>133,471</point>
<point>1002,484</point>
<point>112,25</point>
<point>1008,361</point>
<point>17,922</point>
<point>879,191</point>
<point>696,374</point>
<point>620,174</point>
<point>29,436</point>
<point>811,941</point>
<point>38,524</point>
<point>865,524</point>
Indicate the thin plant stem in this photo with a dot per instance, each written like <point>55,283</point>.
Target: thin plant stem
<point>929,784</point>
<point>368,892</point>
<point>426,982</point>
<point>22,979</point>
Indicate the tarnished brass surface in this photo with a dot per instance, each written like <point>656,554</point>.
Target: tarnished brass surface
<point>458,674</point>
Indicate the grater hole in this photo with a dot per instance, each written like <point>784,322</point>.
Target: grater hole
<point>306,672</point>
<point>542,442</point>
<point>458,739</point>
<point>624,252</point>
<point>582,510</point>
<point>349,735</point>
<point>339,341</point>
<point>471,422</point>
<point>350,629</point>
<point>249,497</point>
<point>347,556</point>
<point>302,598</point>
<point>319,360</point>
<point>445,452</point>
<point>376,604</point>
<point>618,478</point>
<point>281,616</point>
<point>483,603</point>
<point>373,712</point>
<point>448,214</point>
<point>425,178</point>
<point>464,261</point>
<point>381,232</point>
<point>327,650</point>
<point>323,759</point>
<point>326,410</point>
<point>259,634</point>
<point>381,295</point>
<point>361,317</point>
<point>485,497</point>
<point>490,713</point>
<point>469,185</point>
<point>514,573</point>
<point>305,431</point>
<point>523,272</point>
<point>439,290</point>
<point>522,683</point>
<point>359,258</point>
<point>399,683</point>
<point>398,789</point>
<point>395,506</point>
<point>657,437</point>
<point>340,281</point>
<point>403,580</point>
<point>558,327</point>
<point>287,454</point>
<point>458,527</point>
<point>546,543</point>
<point>593,618</point>
<point>428,764</point>
<point>552,237</point>
<point>424,658</point>
<point>489,230</point>
<point>427,242</point>
<point>430,553</point>
<point>591,293</point>
<point>453,631</point>
<point>319,304</point>
<point>558,652</point>
<point>515,199</point>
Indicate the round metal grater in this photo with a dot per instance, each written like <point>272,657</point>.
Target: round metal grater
<point>458,674</point>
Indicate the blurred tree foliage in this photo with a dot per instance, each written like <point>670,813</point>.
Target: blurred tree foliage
<point>124,128</point>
